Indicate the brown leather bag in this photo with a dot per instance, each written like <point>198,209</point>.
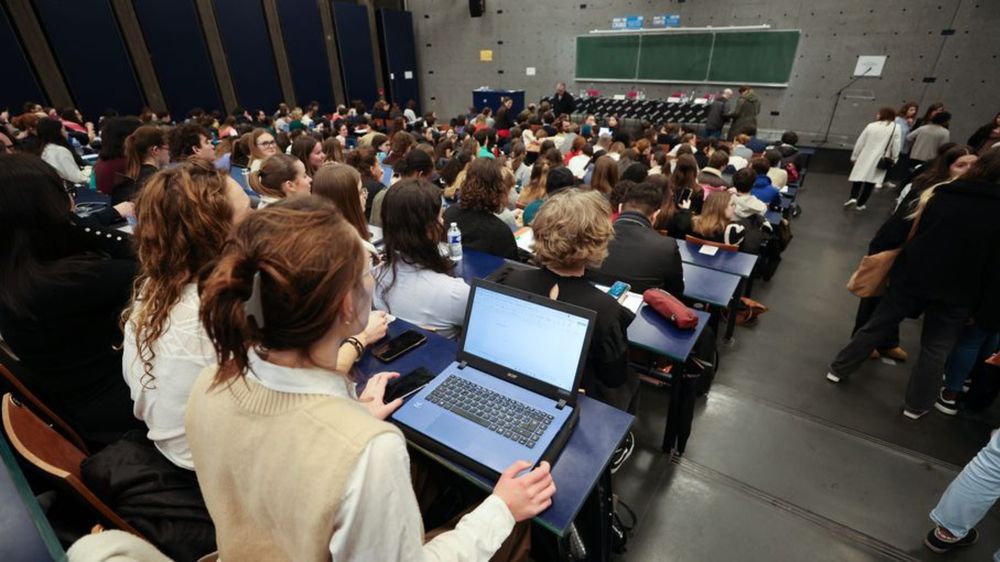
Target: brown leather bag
<point>871,277</point>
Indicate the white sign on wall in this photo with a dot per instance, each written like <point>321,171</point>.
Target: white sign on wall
<point>869,65</point>
<point>530,71</point>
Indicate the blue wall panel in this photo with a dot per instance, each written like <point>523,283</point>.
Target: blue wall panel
<point>357,64</point>
<point>398,50</point>
<point>86,41</point>
<point>248,50</point>
<point>180,57</point>
<point>19,82</point>
<point>302,31</point>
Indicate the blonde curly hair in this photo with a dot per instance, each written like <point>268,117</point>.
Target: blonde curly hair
<point>573,228</point>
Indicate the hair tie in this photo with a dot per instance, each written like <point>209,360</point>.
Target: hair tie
<point>253,306</point>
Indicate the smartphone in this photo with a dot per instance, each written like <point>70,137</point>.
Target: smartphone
<point>619,289</point>
<point>684,194</point>
<point>408,384</point>
<point>393,349</point>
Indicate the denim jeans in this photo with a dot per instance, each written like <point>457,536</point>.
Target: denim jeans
<point>975,344</point>
<point>972,493</point>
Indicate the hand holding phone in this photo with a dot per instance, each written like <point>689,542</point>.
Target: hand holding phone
<point>373,397</point>
<point>619,290</point>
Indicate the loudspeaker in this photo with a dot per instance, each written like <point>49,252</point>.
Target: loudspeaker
<point>476,8</point>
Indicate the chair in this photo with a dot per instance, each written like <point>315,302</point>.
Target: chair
<point>53,454</point>
<point>719,245</point>
<point>37,405</point>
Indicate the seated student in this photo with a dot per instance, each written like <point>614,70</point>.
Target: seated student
<point>787,146</point>
<point>191,139</point>
<point>332,151</point>
<point>416,164</point>
<point>487,139</point>
<point>453,174</point>
<point>689,139</point>
<point>187,214</point>
<point>637,254</point>
<point>684,179</point>
<point>110,169</point>
<point>363,159</point>
<point>57,152</point>
<point>399,145</point>
<point>778,175</point>
<point>579,163</point>
<point>262,146</point>
<point>484,195</point>
<point>755,144</point>
<point>64,287</point>
<point>309,151</point>
<point>675,211</point>
<point>739,147</point>
<point>715,223</point>
<point>661,164</point>
<point>706,147</point>
<point>558,179</point>
<point>278,177</point>
<point>605,175</point>
<point>572,233</point>
<point>762,188</point>
<point>342,185</point>
<point>146,152</point>
<point>746,203</point>
<point>711,175</point>
<point>413,282</point>
<point>278,392</point>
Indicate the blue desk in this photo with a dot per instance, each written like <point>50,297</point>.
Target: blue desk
<point>581,464</point>
<point>737,263</point>
<point>491,98</point>
<point>709,285</point>
<point>25,534</point>
<point>85,195</point>
<point>773,217</point>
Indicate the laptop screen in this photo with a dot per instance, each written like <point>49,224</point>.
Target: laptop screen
<point>526,337</point>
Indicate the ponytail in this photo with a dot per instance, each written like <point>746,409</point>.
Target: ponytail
<point>223,313</point>
<point>272,174</point>
<point>138,144</point>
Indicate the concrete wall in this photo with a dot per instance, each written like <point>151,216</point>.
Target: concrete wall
<point>541,33</point>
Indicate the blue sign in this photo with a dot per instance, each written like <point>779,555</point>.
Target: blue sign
<point>627,22</point>
<point>669,20</point>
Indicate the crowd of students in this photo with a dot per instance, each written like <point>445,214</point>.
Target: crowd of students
<point>226,327</point>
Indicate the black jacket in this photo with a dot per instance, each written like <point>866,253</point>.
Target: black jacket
<point>954,257</point>
<point>640,256</point>
<point>716,115</point>
<point>483,231</point>
<point>565,104</point>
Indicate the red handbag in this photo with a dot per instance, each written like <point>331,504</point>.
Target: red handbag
<point>670,308</point>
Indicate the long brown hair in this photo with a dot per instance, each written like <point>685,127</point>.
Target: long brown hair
<point>255,152</point>
<point>186,217</point>
<point>685,175</point>
<point>309,259</point>
<point>333,150</point>
<point>713,219</point>
<point>138,144</point>
<point>340,183</point>
<point>274,172</point>
<point>302,147</point>
<point>605,175</point>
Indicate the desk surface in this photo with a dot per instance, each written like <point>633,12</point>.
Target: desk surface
<point>588,451</point>
<point>737,263</point>
<point>773,218</point>
<point>709,285</point>
<point>25,534</point>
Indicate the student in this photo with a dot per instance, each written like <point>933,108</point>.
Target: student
<point>778,175</point>
<point>64,287</point>
<point>746,204</point>
<point>637,254</point>
<point>484,195</point>
<point>262,147</point>
<point>762,188</point>
<point>416,164</point>
<point>187,214</point>
<point>342,185</point>
<point>711,175</point>
<point>755,144</point>
<point>684,179</point>
<point>571,234</point>
<point>443,152</point>
<point>414,281</point>
<point>191,140</point>
<point>575,149</point>
<point>661,163</point>
<point>943,272</point>
<point>364,161</point>
<point>986,136</point>
<point>400,143</point>
<point>675,211</point>
<point>453,174</point>
<point>932,110</point>
<point>309,151</point>
<point>905,119</point>
<point>928,138</point>
<point>57,152</point>
<point>146,152</point>
<point>302,256</point>
<point>880,139</point>
<point>740,149</point>
<point>745,113</point>
<point>278,177</point>
<point>605,175</point>
<point>486,138</point>
<point>557,179</point>
<point>110,169</point>
<point>715,223</point>
<point>332,151</point>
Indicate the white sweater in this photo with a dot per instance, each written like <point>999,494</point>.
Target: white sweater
<point>60,158</point>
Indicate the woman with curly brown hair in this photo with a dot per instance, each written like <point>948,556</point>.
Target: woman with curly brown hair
<point>484,194</point>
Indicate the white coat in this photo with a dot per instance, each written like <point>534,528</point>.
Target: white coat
<point>871,146</point>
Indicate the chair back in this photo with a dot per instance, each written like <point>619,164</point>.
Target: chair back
<point>54,455</point>
<point>719,245</point>
<point>21,391</point>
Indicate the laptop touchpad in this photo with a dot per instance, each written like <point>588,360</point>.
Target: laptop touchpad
<point>466,438</point>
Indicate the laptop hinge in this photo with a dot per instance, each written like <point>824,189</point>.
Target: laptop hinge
<point>561,404</point>
<point>463,364</point>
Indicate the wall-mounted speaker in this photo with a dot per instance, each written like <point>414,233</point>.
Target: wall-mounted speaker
<point>476,8</point>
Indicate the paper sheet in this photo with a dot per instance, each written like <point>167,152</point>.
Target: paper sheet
<point>525,238</point>
<point>708,250</point>
<point>632,301</point>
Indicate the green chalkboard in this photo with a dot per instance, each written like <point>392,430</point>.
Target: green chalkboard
<point>760,57</point>
<point>680,56</point>
<point>604,57</point>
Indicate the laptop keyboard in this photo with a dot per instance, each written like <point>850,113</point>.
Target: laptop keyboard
<point>512,419</point>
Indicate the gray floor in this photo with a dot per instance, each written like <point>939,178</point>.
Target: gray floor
<point>782,465</point>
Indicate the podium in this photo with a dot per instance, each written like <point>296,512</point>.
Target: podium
<point>491,98</point>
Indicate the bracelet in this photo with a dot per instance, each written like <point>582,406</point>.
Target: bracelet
<point>358,347</point>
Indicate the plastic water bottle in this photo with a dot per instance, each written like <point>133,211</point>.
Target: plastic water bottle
<point>455,241</point>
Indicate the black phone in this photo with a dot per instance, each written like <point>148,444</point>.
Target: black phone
<point>407,385</point>
<point>684,194</point>
<point>391,350</point>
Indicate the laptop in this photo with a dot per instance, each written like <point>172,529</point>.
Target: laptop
<point>511,393</point>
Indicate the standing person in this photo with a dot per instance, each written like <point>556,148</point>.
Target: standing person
<point>932,110</point>
<point>986,136</point>
<point>562,101</point>
<point>745,113</point>
<point>949,271</point>
<point>879,139</point>
<point>716,119</point>
<point>928,138</point>
<point>905,119</point>
<point>277,391</point>
<point>56,152</point>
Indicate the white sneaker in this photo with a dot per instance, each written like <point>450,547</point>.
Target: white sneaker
<point>832,377</point>
<point>850,202</point>
<point>861,207</point>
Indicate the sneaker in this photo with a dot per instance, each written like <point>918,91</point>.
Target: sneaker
<point>945,405</point>
<point>861,207</point>
<point>913,414</point>
<point>622,453</point>
<point>897,353</point>
<point>833,378</point>
<point>851,201</point>
<point>940,540</point>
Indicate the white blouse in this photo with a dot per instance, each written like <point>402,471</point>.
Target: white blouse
<point>60,158</point>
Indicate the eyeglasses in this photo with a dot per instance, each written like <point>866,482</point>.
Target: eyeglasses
<point>267,144</point>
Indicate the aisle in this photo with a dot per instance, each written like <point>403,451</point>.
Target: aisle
<point>782,465</point>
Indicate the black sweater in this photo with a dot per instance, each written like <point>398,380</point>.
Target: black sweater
<point>482,231</point>
<point>641,257</point>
